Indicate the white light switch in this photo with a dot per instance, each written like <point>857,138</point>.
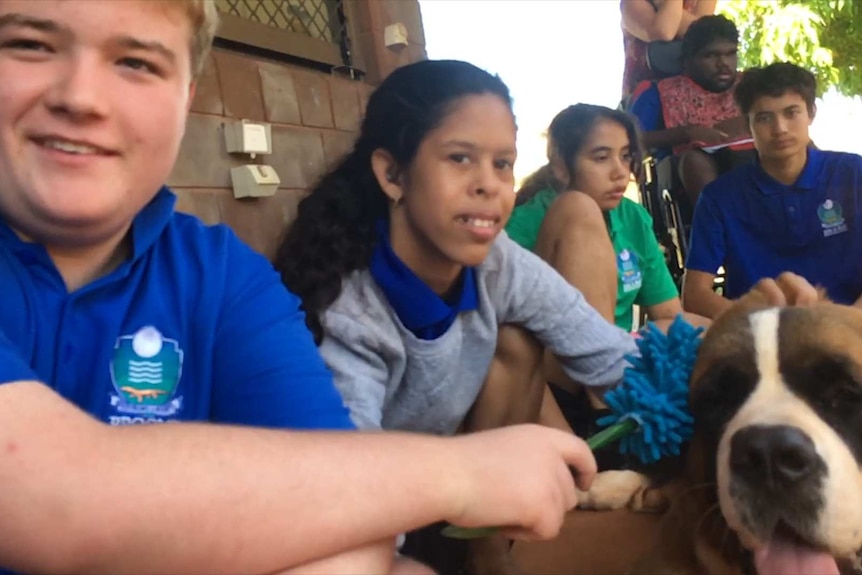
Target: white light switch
<point>255,138</point>
<point>245,137</point>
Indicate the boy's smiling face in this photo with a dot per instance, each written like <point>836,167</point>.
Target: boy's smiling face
<point>93,101</point>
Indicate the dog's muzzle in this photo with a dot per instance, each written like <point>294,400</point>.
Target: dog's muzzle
<point>777,459</point>
<point>777,480</point>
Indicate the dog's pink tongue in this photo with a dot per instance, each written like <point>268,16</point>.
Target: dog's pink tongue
<point>782,557</point>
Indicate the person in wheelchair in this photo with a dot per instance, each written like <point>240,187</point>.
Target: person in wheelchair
<point>795,209</point>
<point>654,21</point>
<point>692,118</point>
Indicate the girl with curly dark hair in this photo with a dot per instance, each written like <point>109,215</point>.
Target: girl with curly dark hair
<point>425,312</point>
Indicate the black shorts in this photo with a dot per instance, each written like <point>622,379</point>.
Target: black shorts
<point>427,545</point>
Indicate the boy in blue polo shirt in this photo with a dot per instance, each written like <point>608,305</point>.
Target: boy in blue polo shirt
<point>114,304</point>
<point>796,209</point>
<point>129,310</point>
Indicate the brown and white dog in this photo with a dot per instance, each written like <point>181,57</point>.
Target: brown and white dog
<point>773,479</point>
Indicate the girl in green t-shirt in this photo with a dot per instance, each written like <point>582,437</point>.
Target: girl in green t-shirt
<point>610,253</point>
<point>598,239</point>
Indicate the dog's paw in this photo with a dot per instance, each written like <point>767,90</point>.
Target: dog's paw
<point>617,489</point>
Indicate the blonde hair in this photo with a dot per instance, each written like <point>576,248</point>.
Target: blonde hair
<point>203,20</point>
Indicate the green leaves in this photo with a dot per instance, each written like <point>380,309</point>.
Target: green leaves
<point>825,36</point>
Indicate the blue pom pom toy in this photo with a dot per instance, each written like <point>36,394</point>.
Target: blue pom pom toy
<point>649,409</point>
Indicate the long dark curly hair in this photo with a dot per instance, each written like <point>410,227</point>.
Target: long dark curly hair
<point>334,231</point>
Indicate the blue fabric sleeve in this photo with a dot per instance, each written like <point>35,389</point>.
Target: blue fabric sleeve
<point>647,109</point>
<point>267,368</point>
<point>12,366</point>
<point>707,246</point>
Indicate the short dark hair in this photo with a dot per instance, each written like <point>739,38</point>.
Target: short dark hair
<point>775,80</point>
<point>705,31</point>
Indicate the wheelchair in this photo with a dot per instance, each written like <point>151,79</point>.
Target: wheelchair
<point>660,191</point>
<point>663,197</point>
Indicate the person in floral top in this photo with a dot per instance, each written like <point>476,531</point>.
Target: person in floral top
<point>645,21</point>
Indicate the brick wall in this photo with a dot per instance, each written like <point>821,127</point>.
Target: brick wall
<point>314,118</point>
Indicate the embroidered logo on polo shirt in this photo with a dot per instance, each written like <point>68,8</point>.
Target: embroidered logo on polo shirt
<point>145,370</point>
<point>630,273</point>
<point>831,218</point>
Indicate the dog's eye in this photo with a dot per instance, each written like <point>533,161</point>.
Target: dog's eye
<point>841,395</point>
<point>720,391</point>
<point>832,386</point>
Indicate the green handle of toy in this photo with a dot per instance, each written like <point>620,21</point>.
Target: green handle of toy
<point>610,434</point>
<point>597,441</point>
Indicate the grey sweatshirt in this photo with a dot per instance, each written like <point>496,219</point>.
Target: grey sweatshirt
<point>391,379</point>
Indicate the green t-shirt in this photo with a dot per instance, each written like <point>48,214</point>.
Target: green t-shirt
<point>642,274</point>
<point>526,220</point>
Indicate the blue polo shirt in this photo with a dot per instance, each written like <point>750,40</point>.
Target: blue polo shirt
<point>424,313</point>
<point>193,326</point>
<point>757,227</point>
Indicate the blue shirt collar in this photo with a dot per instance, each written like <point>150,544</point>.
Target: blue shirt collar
<point>422,311</point>
<point>8,237</point>
<point>147,226</point>
<point>807,180</point>
<point>151,221</point>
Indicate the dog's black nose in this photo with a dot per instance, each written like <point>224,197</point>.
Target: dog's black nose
<point>776,455</point>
